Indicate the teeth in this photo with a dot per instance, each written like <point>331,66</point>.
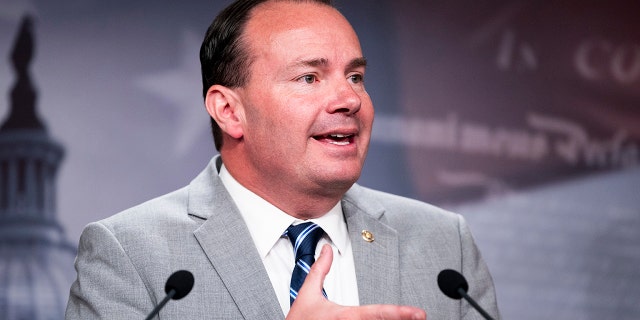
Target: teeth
<point>339,139</point>
<point>340,143</point>
<point>336,138</point>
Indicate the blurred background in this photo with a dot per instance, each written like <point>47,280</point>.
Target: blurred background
<point>524,116</point>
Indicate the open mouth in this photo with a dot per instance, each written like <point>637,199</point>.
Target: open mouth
<point>337,139</point>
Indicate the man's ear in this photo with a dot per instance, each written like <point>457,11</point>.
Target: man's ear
<point>225,107</point>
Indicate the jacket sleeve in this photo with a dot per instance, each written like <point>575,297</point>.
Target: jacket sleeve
<point>481,287</point>
<point>107,285</point>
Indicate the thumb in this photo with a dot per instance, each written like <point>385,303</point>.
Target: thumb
<point>315,279</point>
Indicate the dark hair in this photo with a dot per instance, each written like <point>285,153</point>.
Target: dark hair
<point>224,60</point>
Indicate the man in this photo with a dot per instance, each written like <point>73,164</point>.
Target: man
<point>283,83</point>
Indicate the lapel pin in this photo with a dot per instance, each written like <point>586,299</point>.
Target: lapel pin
<point>367,236</point>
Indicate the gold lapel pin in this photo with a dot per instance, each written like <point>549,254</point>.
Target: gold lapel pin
<point>367,236</point>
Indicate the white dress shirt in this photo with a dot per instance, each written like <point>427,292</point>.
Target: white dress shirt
<point>266,225</point>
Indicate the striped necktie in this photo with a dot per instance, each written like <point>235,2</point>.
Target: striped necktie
<point>304,238</point>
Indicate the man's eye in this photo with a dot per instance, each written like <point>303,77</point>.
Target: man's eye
<point>309,78</point>
<point>356,78</point>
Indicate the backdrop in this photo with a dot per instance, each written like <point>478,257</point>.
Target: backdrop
<point>523,116</point>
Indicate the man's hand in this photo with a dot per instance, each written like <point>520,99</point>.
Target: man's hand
<point>311,304</point>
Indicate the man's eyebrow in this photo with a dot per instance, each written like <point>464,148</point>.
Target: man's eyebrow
<point>357,63</point>
<point>322,62</point>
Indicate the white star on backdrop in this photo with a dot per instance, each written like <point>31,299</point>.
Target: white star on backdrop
<point>180,86</point>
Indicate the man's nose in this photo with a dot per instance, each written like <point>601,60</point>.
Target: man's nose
<point>347,100</point>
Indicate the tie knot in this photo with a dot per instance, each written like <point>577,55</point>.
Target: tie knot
<point>304,238</point>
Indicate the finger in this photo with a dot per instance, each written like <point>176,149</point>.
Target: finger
<point>319,269</point>
<point>384,311</point>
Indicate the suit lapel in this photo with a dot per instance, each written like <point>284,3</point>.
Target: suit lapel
<point>225,239</point>
<point>236,259</point>
<point>376,262</point>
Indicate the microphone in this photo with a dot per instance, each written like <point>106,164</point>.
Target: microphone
<point>178,286</point>
<point>455,286</point>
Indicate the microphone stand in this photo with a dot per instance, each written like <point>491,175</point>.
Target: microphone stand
<point>164,301</point>
<point>472,302</point>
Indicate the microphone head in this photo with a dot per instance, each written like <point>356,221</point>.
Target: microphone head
<point>181,281</point>
<point>450,281</point>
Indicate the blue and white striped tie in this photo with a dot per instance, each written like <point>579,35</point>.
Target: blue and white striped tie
<point>304,238</point>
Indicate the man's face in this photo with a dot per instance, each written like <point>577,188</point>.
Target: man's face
<point>307,115</point>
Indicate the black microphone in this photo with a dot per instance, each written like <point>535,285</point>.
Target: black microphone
<point>178,286</point>
<point>455,286</point>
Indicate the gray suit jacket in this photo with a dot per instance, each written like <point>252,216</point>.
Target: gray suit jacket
<point>124,261</point>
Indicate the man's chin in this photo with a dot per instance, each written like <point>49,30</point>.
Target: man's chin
<point>339,184</point>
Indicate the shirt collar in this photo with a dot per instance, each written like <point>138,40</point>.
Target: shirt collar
<point>334,226</point>
<point>266,223</point>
